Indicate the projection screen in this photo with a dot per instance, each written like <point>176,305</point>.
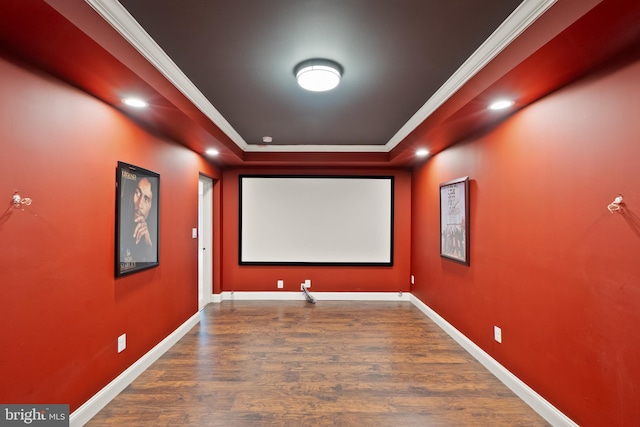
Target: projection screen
<point>316,220</point>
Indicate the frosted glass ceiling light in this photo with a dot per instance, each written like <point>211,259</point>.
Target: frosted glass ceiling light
<point>318,75</point>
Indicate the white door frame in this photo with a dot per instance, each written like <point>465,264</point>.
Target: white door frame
<point>205,241</point>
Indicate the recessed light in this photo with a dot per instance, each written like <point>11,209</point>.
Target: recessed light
<point>212,152</point>
<point>501,104</point>
<point>135,102</point>
<point>422,152</point>
<point>267,139</point>
<point>318,75</point>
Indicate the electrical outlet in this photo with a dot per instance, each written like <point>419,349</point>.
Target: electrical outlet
<point>307,283</point>
<point>122,342</point>
<point>280,284</point>
<point>413,279</point>
<point>497,334</point>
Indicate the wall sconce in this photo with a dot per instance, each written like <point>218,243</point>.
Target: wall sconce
<point>615,205</point>
<point>19,202</point>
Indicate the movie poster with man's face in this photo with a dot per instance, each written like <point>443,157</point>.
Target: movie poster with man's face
<point>137,219</point>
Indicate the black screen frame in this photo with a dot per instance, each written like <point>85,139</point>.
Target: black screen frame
<point>245,262</point>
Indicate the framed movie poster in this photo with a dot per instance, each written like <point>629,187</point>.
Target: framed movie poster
<point>137,202</point>
<point>454,220</point>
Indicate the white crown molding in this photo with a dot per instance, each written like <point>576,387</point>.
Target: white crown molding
<point>122,21</point>
<point>507,32</point>
<point>318,148</point>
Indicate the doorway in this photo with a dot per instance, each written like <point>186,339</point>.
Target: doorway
<point>205,241</point>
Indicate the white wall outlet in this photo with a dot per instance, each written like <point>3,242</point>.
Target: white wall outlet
<point>122,342</point>
<point>497,334</point>
<point>307,283</point>
<point>413,279</point>
<point>280,284</point>
<point>194,233</point>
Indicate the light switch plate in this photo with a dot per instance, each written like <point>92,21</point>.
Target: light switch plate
<point>122,342</point>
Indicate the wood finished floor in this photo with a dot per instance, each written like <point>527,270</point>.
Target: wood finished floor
<point>289,363</point>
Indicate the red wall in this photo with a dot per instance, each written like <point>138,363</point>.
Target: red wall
<point>323,279</point>
<point>549,264</point>
<point>61,309</point>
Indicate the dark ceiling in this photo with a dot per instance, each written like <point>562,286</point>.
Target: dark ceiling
<point>417,73</point>
<point>395,54</point>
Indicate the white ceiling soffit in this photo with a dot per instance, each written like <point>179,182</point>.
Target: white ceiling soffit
<point>120,19</point>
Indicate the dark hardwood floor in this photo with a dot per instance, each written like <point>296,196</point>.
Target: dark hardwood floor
<point>289,363</point>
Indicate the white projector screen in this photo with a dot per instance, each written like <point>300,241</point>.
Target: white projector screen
<point>316,220</point>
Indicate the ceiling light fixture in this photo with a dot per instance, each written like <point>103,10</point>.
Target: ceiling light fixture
<point>318,75</point>
<point>135,102</point>
<point>212,152</point>
<point>501,104</point>
<point>422,152</point>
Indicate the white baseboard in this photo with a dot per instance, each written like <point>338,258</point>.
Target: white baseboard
<point>319,296</point>
<point>91,407</point>
<point>545,409</point>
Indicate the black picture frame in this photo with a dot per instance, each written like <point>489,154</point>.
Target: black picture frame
<point>304,221</point>
<point>137,219</point>
<point>454,220</point>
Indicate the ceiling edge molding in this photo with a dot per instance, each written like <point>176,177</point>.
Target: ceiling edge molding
<point>281,148</point>
<point>122,21</point>
<point>507,32</point>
